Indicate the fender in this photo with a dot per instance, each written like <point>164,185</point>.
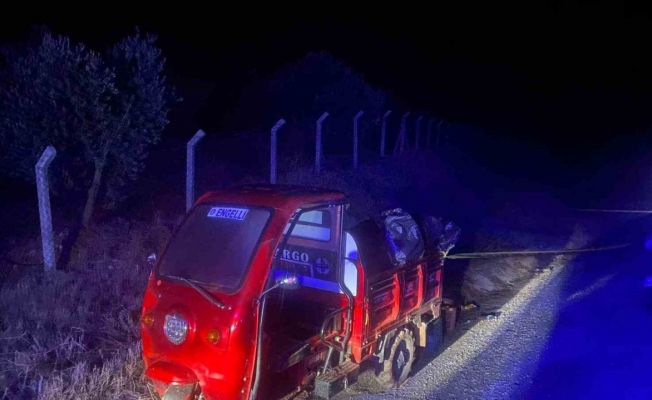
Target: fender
<point>171,373</point>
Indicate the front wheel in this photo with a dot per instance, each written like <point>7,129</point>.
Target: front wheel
<point>398,363</point>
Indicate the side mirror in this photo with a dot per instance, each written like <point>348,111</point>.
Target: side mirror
<point>151,259</point>
<point>288,282</point>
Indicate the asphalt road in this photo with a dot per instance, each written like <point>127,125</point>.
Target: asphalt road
<point>601,345</point>
<point>582,330</point>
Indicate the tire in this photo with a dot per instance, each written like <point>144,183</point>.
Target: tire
<point>398,362</point>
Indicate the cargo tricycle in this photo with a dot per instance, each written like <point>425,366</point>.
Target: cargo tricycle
<point>262,292</point>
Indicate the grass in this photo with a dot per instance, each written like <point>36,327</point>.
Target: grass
<point>533,222</point>
<point>75,334</point>
<point>519,222</point>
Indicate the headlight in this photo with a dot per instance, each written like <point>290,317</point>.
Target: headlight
<point>175,328</point>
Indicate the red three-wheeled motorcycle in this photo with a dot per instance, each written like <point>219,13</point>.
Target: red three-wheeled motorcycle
<point>262,292</point>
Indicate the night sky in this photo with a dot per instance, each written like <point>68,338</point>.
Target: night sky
<point>568,76</point>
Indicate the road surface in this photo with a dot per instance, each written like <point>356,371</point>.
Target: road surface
<point>578,331</point>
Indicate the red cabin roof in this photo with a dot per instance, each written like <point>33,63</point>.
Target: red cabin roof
<point>284,197</point>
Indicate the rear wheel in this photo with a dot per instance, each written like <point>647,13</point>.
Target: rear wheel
<point>398,361</point>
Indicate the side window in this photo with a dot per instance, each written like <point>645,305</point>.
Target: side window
<point>311,251</point>
<point>313,225</point>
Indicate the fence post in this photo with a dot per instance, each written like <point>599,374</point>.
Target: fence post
<point>429,131</point>
<point>318,142</point>
<point>418,132</point>
<point>190,168</point>
<point>355,138</point>
<point>272,151</point>
<point>45,213</point>
<point>404,133</point>
<point>383,133</point>
<point>397,145</point>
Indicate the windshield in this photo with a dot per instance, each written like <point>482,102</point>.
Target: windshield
<point>215,245</point>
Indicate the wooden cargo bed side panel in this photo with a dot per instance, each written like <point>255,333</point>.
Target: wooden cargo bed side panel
<point>384,301</point>
<point>438,279</point>
<point>412,289</point>
<point>433,283</point>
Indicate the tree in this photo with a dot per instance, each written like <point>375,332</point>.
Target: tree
<point>101,113</point>
<point>140,106</point>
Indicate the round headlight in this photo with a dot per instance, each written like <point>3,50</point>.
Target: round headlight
<point>175,328</point>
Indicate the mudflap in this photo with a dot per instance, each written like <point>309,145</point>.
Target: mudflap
<point>336,380</point>
<point>450,314</point>
<point>434,338</point>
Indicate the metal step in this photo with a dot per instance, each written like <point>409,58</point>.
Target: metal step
<point>336,379</point>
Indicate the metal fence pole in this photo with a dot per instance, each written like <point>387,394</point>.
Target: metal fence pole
<point>397,145</point>
<point>418,132</point>
<point>429,132</point>
<point>318,142</point>
<point>355,138</point>
<point>272,151</point>
<point>383,133</point>
<point>404,133</point>
<point>45,213</point>
<point>190,168</point>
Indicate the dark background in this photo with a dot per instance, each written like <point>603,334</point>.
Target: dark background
<point>556,88</point>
